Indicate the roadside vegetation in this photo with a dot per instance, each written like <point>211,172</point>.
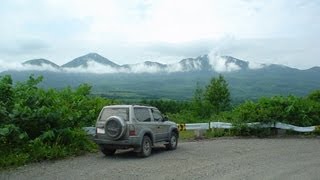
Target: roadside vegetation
<point>212,103</point>
<point>39,124</point>
<point>42,124</point>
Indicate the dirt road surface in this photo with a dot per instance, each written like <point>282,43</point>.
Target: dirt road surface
<point>231,158</point>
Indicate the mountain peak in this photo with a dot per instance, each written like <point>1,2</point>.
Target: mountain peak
<point>40,62</point>
<point>83,61</point>
<point>195,64</point>
<point>92,54</point>
<point>241,63</point>
<point>217,63</point>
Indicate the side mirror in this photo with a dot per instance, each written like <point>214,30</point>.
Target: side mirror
<point>165,118</point>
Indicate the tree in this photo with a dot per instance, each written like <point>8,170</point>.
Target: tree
<point>199,106</point>
<point>217,94</point>
<point>6,96</point>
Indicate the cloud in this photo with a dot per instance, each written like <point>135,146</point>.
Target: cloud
<point>92,67</point>
<point>187,49</point>
<point>97,68</point>
<point>23,46</point>
<point>299,53</point>
<point>143,68</point>
<point>14,66</point>
<point>174,68</point>
<point>160,30</point>
<point>219,64</point>
<point>255,65</point>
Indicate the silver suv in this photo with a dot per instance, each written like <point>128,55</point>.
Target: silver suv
<point>133,126</point>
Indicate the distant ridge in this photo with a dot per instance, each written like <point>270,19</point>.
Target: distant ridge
<point>95,63</point>
<point>315,68</point>
<point>153,80</point>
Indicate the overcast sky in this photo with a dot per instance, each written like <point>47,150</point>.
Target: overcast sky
<point>130,31</point>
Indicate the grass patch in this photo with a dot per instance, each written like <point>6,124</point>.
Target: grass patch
<point>186,135</point>
<point>212,133</point>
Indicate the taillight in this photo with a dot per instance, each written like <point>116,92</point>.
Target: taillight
<point>132,130</point>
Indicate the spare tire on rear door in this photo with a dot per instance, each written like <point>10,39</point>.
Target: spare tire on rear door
<point>115,127</point>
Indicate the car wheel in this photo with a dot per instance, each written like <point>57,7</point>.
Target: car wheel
<point>115,127</point>
<point>108,152</point>
<point>146,147</point>
<point>173,142</point>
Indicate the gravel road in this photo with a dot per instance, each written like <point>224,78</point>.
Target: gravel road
<point>230,158</point>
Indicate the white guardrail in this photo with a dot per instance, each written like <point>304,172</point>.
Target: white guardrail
<point>224,125</point>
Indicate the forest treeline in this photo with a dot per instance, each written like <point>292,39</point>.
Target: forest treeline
<point>212,103</point>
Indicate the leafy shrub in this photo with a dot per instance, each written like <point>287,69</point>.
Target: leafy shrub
<point>38,124</point>
<point>317,130</point>
<point>8,159</point>
<point>291,109</point>
<point>11,136</point>
<point>245,130</point>
<point>315,95</point>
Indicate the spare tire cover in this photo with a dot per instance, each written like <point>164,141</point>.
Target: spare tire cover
<point>115,127</point>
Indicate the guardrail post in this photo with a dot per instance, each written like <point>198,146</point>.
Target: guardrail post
<point>199,133</point>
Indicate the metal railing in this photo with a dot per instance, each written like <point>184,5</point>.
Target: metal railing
<point>225,125</point>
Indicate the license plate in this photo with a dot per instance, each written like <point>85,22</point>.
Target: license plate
<point>100,130</point>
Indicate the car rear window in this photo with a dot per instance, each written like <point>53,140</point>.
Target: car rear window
<point>120,112</point>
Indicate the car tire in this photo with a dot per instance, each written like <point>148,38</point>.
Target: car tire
<point>146,147</point>
<point>108,152</point>
<point>116,123</point>
<point>173,142</point>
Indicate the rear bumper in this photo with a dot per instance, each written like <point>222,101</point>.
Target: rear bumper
<point>127,143</point>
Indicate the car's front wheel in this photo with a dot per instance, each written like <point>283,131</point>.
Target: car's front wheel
<point>146,147</point>
<point>173,141</point>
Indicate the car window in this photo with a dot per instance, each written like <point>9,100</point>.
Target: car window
<point>142,114</point>
<point>120,112</point>
<point>157,115</point>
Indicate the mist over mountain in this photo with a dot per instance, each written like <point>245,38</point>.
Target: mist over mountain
<point>153,80</point>
<point>95,63</point>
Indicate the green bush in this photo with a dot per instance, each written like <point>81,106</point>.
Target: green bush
<point>317,131</point>
<point>245,130</point>
<point>38,124</point>
<point>9,159</point>
<point>292,110</point>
